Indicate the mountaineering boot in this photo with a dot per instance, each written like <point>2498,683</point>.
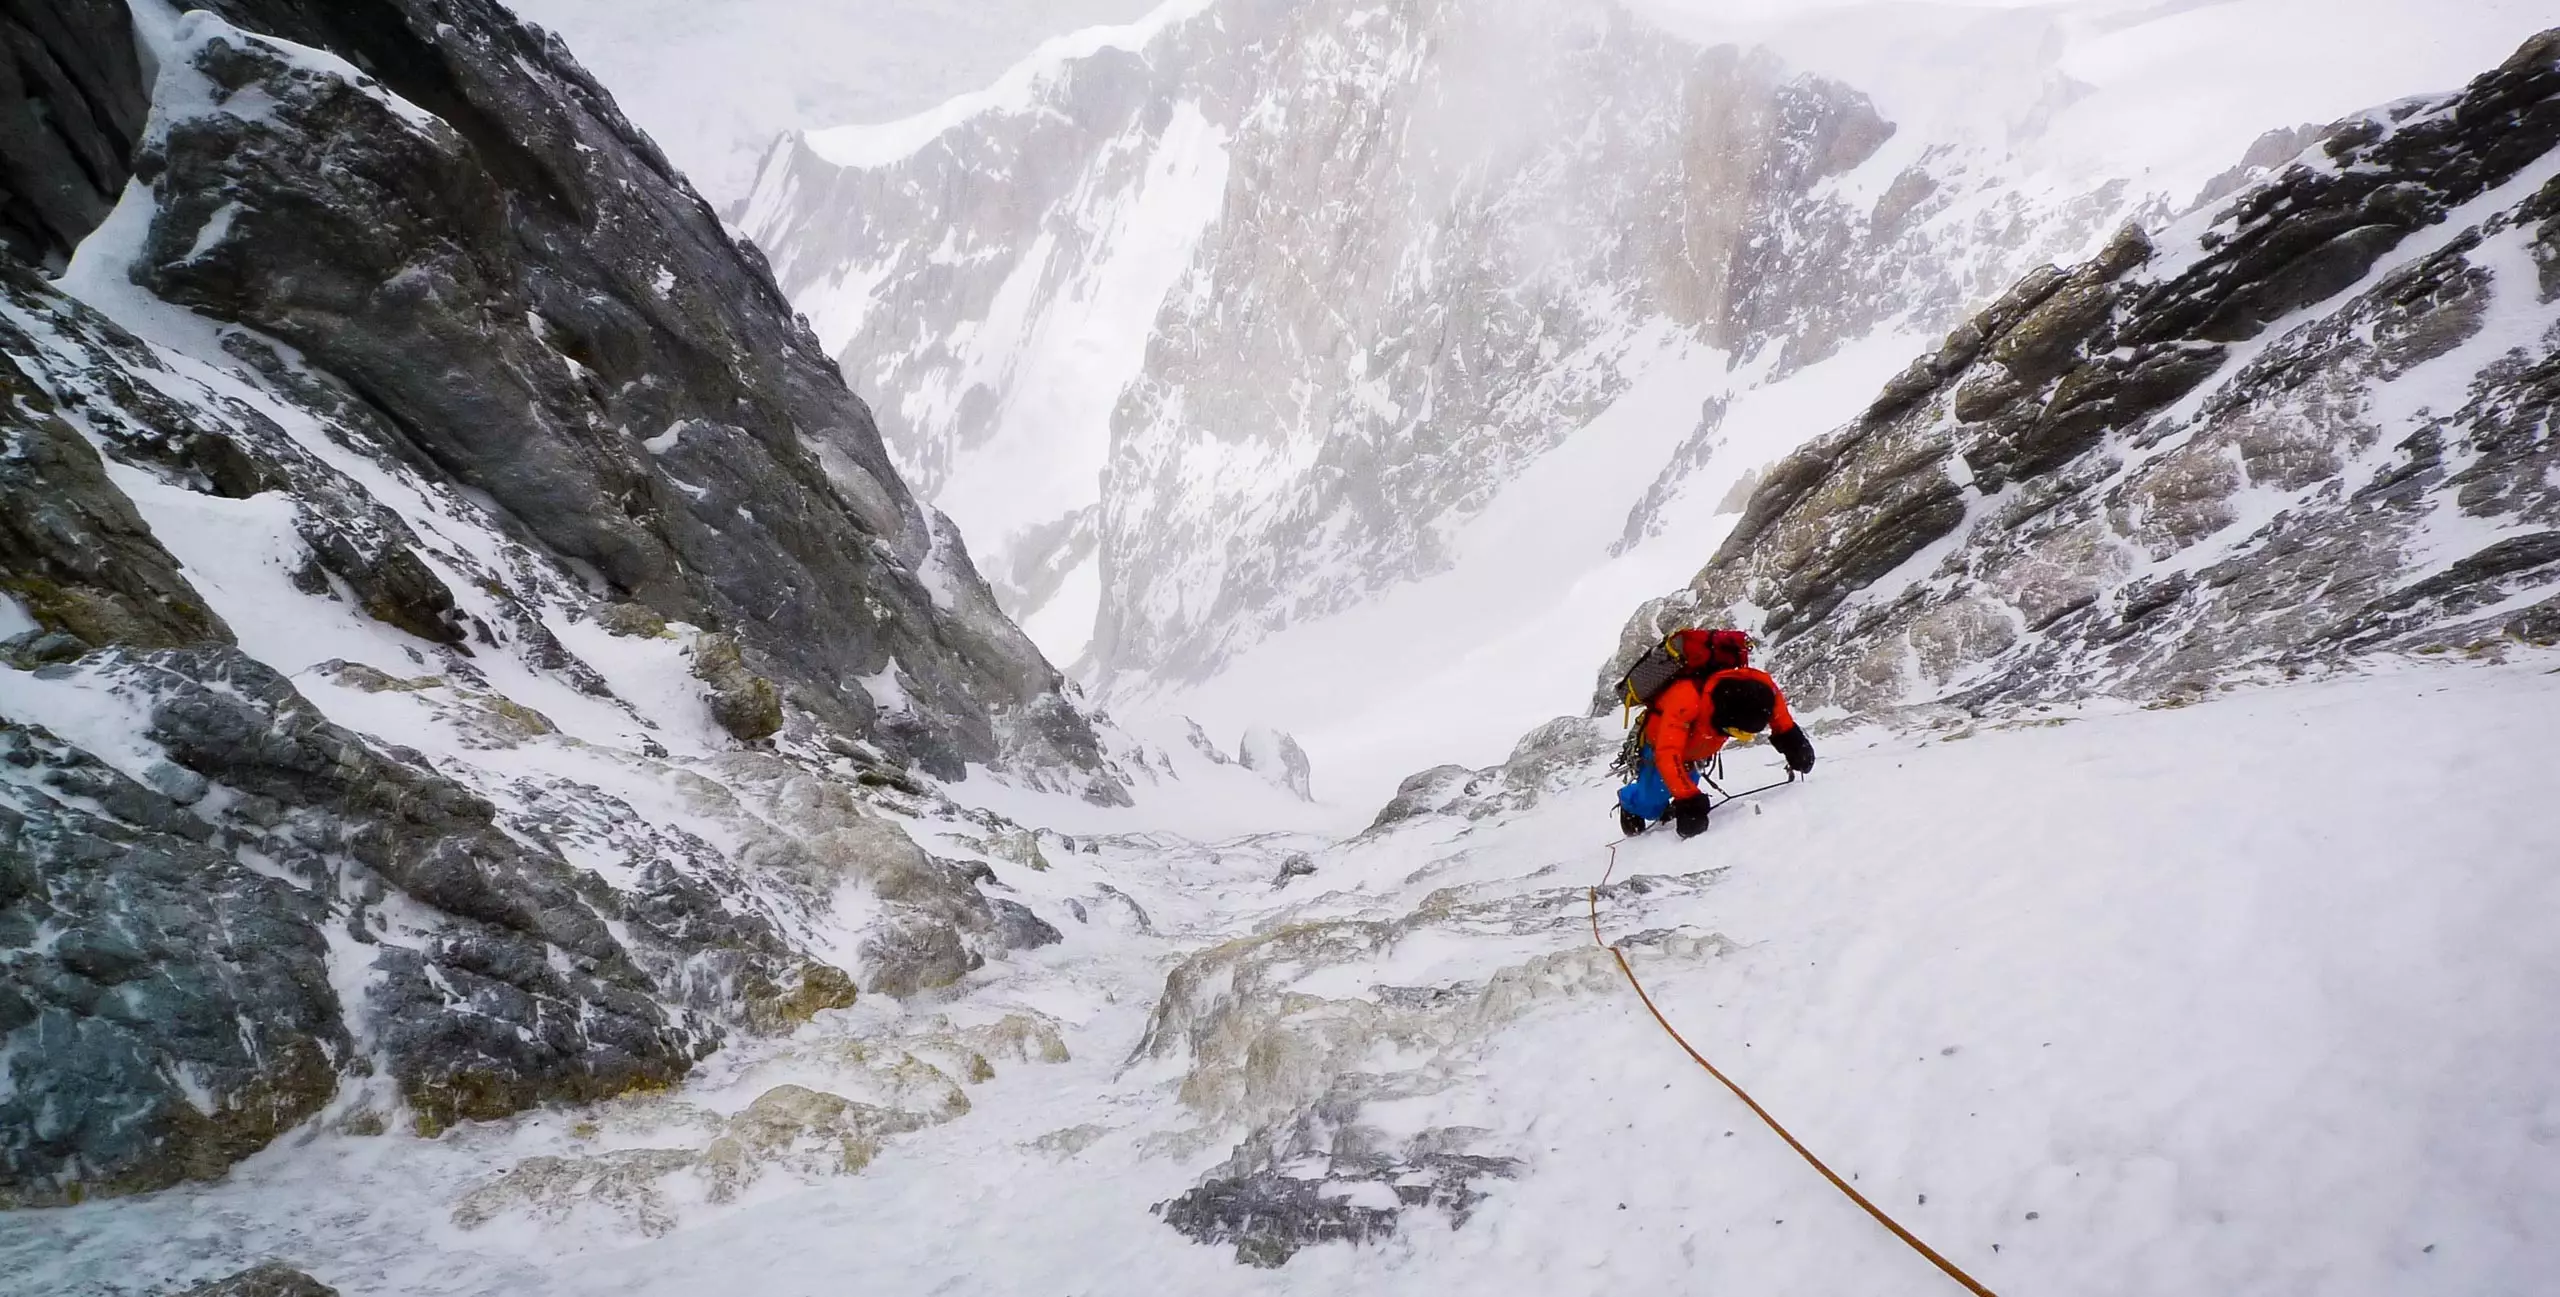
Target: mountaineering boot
<point>1629,823</point>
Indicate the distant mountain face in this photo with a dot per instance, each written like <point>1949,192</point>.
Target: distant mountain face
<point>2311,422</point>
<point>713,84</point>
<point>454,626</point>
<point>1230,325</point>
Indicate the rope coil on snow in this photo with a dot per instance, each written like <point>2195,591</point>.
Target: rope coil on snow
<point>1950,1267</point>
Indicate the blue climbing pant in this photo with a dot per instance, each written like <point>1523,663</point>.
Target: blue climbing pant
<point>1648,797</point>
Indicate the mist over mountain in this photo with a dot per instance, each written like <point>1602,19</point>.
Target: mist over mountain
<point>1262,334</point>
<point>714,84</point>
<point>1031,726</point>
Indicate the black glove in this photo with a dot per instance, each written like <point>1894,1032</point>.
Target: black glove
<point>1795,747</point>
<point>1689,815</point>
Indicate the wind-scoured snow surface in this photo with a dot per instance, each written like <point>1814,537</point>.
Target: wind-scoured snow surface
<point>2244,997</point>
<point>1252,336</point>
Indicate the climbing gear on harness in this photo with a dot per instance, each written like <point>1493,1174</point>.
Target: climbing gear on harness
<point>1949,1267</point>
<point>1630,760</point>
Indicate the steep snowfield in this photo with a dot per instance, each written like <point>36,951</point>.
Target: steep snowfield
<point>2244,997</point>
<point>1455,666</point>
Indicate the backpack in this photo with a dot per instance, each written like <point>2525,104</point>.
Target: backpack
<point>1694,654</point>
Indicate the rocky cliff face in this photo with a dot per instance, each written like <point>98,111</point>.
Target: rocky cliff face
<point>538,307</point>
<point>2310,422</point>
<point>412,500</point>
<point>1275,296</point>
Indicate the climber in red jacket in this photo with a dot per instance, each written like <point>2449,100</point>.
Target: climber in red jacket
<point>1690,721</point>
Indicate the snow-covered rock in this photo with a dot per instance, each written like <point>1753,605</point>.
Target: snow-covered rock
<point>1277,757</point>
<point>2307,423</point>
<point>411,495</point>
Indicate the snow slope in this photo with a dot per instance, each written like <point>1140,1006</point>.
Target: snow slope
<point>2243,997</point>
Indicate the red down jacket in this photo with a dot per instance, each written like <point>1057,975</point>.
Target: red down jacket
<point>1683,731</point>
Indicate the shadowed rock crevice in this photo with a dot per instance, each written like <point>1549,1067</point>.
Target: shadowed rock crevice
<point>72,104</point>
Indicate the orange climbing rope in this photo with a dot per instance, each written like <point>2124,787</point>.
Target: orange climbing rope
<point>1950,1267</point>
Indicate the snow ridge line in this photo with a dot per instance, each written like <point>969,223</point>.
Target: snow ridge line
<point>1952,1270</point>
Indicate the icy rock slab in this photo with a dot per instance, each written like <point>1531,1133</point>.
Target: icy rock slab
<point>790,1129</point>
<point>1256,1048</point>
<point>1299,1067</point>
<point>170,1008</point>
<point>1546,760</point>
<point>1316,1184</point>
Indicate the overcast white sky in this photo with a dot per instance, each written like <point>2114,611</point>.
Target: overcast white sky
<point>714,81</point>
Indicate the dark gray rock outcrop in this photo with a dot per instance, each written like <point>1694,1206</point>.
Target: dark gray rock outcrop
<point>265,1279</point>
<point>2113,478</point>
<point>72,103</point>
<point>1322,1179</point>
<point>525,298</point>
<point>181,1015</point>
<point>466,364</point>
<point>188,1008</point>
<point>73,551</point>
<point>1545,761</point>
